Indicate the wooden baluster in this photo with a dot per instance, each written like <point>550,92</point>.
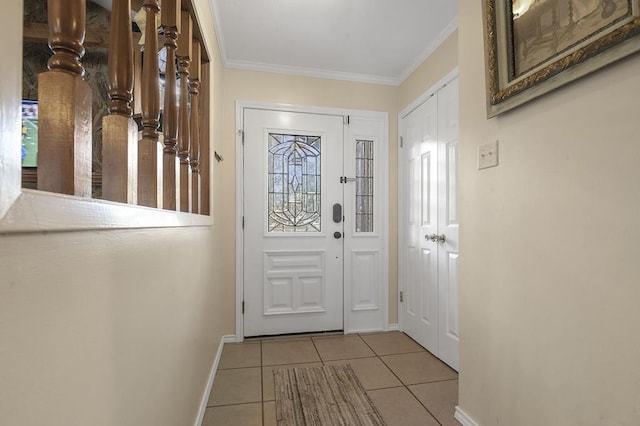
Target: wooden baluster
<point>64,99</point>
<point>184,135</point>
<point>171,25</point>
<point>194,151</point>
<point>203,163</point>
<point>119,131</point>
<point>137,80</point>
<point>148,146</point>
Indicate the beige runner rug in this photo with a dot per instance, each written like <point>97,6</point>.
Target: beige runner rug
<point>328,395</point>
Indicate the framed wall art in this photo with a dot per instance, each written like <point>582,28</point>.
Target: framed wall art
<point>535,46</point>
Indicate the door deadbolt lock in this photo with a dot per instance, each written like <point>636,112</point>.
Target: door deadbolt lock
<point>436,238</point>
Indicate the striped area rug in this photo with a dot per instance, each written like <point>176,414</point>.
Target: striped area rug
<point>328,395</point>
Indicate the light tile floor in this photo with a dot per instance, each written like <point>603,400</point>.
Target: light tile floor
<point>407,384</point>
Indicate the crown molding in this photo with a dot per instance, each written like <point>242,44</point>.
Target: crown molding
<point>311,72</point>
<point>451,27</point>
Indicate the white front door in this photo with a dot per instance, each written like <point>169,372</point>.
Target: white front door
<point>429,223</point>
<point>293,244</point>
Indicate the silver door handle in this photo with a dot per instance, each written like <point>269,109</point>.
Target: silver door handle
<point>436,238</point>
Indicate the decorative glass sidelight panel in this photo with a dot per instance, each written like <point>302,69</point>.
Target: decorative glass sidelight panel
<point>294,183</point>
<point>364,186</point>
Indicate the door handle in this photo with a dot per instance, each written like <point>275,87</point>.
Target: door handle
<point>436,238</point>
<point>337,235</point>
<point>337,213</point>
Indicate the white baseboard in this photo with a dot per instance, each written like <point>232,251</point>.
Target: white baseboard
<point>463,417</point>
<point>212,375</point>
<point>393,327</point>
<point>229,338</point>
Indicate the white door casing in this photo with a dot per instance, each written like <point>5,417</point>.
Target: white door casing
<point>295,272</point>
<point>428,210</point>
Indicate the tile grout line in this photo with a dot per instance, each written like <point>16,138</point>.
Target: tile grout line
<point>313,342</point>
<point>233,405</point>
<point>403,384</point>
<point>400,380</point>
<point>425,407</point>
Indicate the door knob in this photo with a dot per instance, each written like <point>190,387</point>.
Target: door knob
<point>436,238</point>
<point>337,235</point>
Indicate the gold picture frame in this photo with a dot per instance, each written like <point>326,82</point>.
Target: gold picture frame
<point>535,46</point>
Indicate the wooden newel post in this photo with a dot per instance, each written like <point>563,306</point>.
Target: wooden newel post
<point>148,146</point>
<point>184,136</point>
<point>171,25</point>
<point>64,103</point>
<point>119,131</point>
<point>194,152</point>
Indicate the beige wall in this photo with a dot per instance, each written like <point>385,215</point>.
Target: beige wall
<point>112,327</point>
<point>549,240</point>
<point>279,88</point>
<point>440,63</point>
<point>106,327</point>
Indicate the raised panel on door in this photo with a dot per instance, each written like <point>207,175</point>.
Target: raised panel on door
<point>365,280</point>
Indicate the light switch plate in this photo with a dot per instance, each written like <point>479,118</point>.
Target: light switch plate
<point>488,155</point>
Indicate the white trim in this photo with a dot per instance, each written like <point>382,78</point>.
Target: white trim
<point>212,375</point>
<point>10,97</point>
<point>464,418</point>
<point>240,106</point>
<point>217,28</point>
<point>36,211</point>
<point>393,327</point>
<point>451,75</point>
<point>432,47</point>
<point>230,338</point>
<point>312,72</point>
<point>401,115</point>
<point>239,214</point>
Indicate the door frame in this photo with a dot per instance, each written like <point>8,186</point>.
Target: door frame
<point>383,195</point>
<point>453,74</point>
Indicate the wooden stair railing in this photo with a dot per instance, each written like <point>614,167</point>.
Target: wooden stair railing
<point>171,20</point>
<point>194,151</point>
<point>130,167</point>
<point>119,131</point>
<point>184,135</point>
<point>148,146</point>
<point>64,103</point>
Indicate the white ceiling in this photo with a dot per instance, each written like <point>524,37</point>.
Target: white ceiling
<point>375,41</point>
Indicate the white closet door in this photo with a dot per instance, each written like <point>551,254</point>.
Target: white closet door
<point>429,226</point>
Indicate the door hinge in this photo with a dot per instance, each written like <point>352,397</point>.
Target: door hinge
<point>401,297</point>
<point>401,141</point>
<point>241,133</point>
<point>242,222</point>
<point>243,306</point>
<point>347,120</point>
